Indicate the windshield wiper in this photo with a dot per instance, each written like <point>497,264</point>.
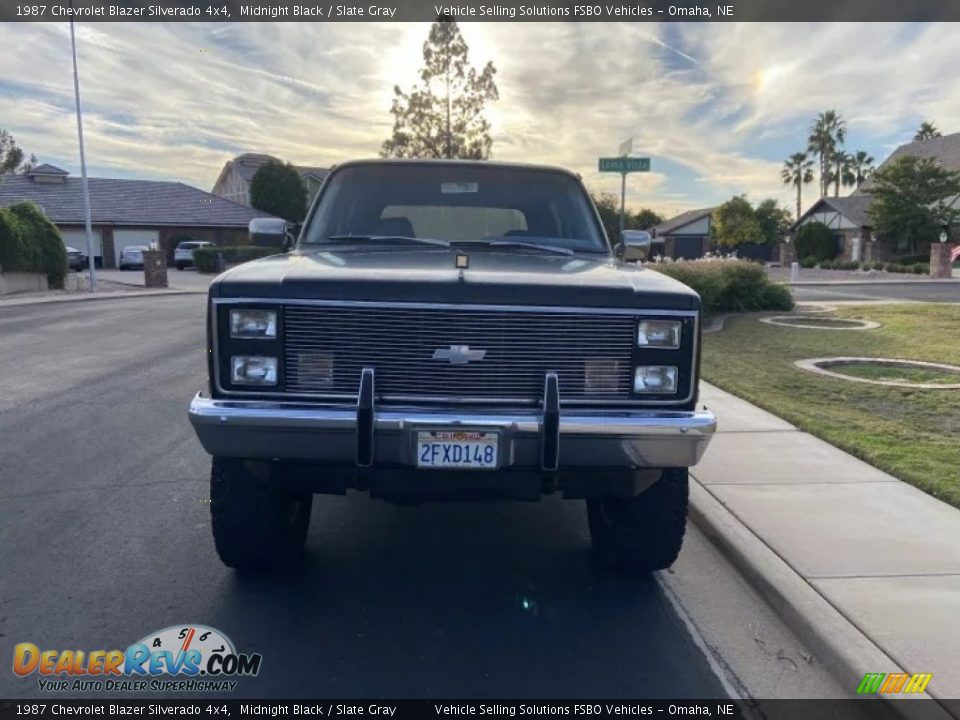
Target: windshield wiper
<point>389,238</point>
<point>520,244</point>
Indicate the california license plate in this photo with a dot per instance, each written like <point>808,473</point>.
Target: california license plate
<point>458,449</point>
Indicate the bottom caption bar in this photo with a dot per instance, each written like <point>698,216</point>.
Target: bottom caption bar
<point>419,709</point>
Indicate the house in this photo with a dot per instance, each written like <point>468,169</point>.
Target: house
<point>236,176</point>
<point>685,236</point>
<point>849,216</point>
<point>129,212</point>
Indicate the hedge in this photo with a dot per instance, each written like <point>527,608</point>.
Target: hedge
<point>729,285</point>
<point>205,258</point>
<point>29,242</point>
<point>816,240</point>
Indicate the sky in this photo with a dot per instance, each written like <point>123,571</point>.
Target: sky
<point>717,107</point>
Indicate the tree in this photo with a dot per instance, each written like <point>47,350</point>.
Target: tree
<point>816,240</point>
<point>645,219</point>
<point>11,156</point>
<point>926,131</point>
<point>774,220</point>
<point>443,117</point>
<point>910,199</point>
<point>735,223</point>
<point>797,171</point>
<point>826,136</point>
<point>608,207</point>
<point>857,168</point>
<point>277,189</point>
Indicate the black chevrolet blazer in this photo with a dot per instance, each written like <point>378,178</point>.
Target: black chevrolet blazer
<point>451,329</point>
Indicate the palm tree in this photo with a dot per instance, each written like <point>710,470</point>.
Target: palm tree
<point>798,171</point>
<point>826,135</point>
<point>927,130</point>
<point>857,168</point>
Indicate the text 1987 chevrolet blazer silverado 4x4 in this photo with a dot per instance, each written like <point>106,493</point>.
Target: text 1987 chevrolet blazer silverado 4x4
<point>451,329</point>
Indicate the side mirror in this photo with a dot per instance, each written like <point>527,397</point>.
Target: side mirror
<point>268,232</point>
<point>635,244</point>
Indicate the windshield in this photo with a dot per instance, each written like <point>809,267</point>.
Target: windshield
<point>454,203</point>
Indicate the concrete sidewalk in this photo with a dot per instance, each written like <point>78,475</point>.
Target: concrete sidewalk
<point>879,551</point>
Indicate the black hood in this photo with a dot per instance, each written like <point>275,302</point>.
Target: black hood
<point>426,274</point>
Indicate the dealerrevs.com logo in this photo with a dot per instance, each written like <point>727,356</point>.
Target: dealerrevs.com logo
<point>177,658</point>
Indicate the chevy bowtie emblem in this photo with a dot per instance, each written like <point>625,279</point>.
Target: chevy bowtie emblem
<point>458,354</point>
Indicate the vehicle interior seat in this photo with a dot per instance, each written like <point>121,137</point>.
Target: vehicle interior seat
<point>392,226</point>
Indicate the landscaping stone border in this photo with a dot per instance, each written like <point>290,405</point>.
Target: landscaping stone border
<point>818,365</point>
<point>782,321</point>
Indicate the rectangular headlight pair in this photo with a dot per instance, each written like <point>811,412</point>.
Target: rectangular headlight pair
<point>252,324</point>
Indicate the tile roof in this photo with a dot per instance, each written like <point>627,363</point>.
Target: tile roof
<point>46,169</point>
<point>945,149</point>
<point>127,202</point>
<point>668,226</point>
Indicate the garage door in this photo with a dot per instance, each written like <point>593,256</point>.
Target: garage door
<point>688,248</point>
<point>77,239</point>
<point>123,238</point>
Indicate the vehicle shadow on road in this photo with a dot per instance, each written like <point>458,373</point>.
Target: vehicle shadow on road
<point>476,600</point>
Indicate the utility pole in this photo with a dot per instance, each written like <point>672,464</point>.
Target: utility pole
<point>83,161</point>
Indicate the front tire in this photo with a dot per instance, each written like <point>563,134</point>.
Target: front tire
<point>258,526</point>
<point>644,533</point>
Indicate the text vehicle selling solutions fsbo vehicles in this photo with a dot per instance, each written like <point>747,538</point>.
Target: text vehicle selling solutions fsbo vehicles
<point>451,330</point>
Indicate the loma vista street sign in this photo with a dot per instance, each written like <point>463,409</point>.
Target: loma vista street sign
<point>624,164</point>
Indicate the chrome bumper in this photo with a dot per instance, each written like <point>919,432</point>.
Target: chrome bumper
<point>364,436</point>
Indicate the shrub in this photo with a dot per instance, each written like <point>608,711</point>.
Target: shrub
<point>921,268</point>
<point>29,242</point>
<point>808,262</point>
<point>826,265</point>
<point>729,285</point>
<point>205,258</point>
<point>876,265</point>
<point>816,239</point>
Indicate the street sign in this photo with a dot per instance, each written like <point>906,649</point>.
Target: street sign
<point>624,164</point>
<point>626,147</point>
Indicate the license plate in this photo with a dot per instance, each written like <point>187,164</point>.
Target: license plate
<point>458,449</point>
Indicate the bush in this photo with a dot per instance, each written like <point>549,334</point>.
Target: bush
<point>808,262</point>
<point>816,239</point>
<point>913,259</point>
<point>729,285</point>
<point>205,258</point>
<point>876,265</point>
<point>921,268</point>
<point>826,265</point>
<point>29,242</point>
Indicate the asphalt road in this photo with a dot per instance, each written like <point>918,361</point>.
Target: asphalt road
<point>105,537</point>
<point>916,290</point>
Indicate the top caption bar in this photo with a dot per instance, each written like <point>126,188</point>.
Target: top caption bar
<point>480,11</point>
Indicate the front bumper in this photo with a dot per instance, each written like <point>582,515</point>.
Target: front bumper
<point>367,437</point>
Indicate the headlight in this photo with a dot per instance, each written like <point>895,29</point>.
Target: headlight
<point>253,324</point>
<point>253,370</point>
<point>659,334</point>
<point>655,379</point>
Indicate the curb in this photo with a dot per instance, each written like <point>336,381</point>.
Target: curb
<point>842,648</point>
<point>930,281</point>
<point>87,297</point>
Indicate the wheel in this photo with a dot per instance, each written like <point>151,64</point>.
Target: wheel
<point>642,533</point>
<point>179,266</point>
<point>258,526</point>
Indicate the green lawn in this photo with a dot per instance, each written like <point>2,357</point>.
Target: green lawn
<point>912,434</point>
<point>892,373</point>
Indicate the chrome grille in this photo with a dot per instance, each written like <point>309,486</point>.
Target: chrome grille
<point>591,353</point>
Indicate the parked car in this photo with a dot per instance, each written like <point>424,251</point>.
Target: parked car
<point>183,255</point>
<point>76,260</point>
<point>131,257</point>
<point>451,330</point>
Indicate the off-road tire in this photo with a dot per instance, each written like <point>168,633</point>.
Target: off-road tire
<point>258,526</point>
<point>642,533</point>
